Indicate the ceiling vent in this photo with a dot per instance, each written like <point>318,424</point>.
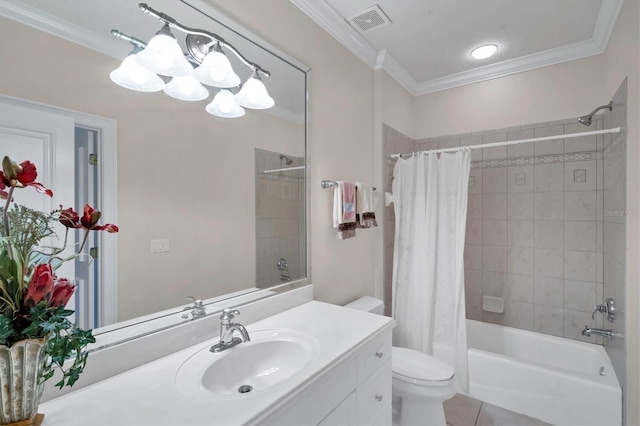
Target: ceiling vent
<point>369,19</point>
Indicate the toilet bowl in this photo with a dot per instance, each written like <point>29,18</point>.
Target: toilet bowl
<point>420,384</point>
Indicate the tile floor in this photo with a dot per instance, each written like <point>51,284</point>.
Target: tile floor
<point>464,411</point>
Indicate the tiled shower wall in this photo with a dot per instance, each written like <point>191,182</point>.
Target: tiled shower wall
<point>280,227</point>
<point>534,228</point>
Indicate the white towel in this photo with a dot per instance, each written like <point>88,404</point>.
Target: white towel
<point>344,210</point>
<point>364,205</point>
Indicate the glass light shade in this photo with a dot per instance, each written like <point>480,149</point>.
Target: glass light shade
<point>216,70</point>
<point>254,95</point>
<point>164,56</point>
<point>186,88</point>
<point>224,105</point>
<point>485,51</point>
<point>131,75</point>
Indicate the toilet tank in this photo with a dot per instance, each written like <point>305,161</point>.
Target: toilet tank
<point>367,304</point>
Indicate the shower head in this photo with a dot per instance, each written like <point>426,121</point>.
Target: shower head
<point>586,119</point>
<point>284,157</point>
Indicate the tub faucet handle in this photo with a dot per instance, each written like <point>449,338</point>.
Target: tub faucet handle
<point>608,308</point>
<point>598,308</point>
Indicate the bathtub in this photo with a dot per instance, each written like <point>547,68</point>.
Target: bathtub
<point>549,378</point>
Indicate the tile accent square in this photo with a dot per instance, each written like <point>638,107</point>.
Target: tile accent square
<point>472,181</point>
<point>579,175</point>
<point>521,179</point>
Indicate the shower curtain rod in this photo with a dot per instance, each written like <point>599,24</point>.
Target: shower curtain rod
<point>495,144</point>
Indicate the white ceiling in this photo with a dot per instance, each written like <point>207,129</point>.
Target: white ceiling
<point>427,46</point>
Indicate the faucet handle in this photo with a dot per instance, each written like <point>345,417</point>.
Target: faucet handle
<point>197,303</point>
<point>228,314</point>
<point>598,308</point>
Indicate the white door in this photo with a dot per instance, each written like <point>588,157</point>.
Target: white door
<point>46,136</point>
<point>47,140</point>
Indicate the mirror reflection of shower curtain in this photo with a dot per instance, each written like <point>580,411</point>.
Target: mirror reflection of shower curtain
<point>430,201</point>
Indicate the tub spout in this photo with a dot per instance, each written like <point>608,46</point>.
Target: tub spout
<point>588,331</point>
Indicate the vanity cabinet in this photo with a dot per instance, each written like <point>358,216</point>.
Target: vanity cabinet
<point>355,391</point>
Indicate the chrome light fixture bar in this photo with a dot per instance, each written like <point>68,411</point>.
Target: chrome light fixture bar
<point>162,55</point>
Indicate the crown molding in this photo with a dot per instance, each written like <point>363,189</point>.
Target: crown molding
<point>513,66</point>
<point>40,20</point>
<point>606,21</point>
<point>331,21</point>
<point>324,15</point>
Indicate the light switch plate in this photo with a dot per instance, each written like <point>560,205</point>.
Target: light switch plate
<point>159,246</point>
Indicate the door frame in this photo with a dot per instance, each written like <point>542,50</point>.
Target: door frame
<point>108,197</point>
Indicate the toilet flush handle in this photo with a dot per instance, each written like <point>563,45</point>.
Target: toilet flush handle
<point>379,398</point>
<point>379,354</point>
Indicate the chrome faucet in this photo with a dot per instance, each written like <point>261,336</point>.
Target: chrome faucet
<point>226,332</point>
<point>588,331</point>
<point>197,310</point>
<point>609,309</point>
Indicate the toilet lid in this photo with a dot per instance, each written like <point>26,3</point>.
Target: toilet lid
<point>415,366</point>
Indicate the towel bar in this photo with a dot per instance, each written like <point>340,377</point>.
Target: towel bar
<point>329,183</point>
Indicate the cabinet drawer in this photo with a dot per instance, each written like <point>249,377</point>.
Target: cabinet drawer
<point>373,356</point>
<point>384,419</point>
<point>374,395</point>
<point>344,414</point>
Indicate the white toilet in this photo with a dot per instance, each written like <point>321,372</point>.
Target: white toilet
<point>421,383</point>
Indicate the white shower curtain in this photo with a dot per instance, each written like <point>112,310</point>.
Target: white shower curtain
<point>430,201</point>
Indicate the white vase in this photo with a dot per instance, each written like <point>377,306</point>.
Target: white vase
<point>20,387</point>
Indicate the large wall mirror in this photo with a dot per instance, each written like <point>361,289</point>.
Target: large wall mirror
<point>207,206</point>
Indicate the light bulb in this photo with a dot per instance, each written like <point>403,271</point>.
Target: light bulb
<point>131,75</point>
<point>164,56</point>
<point>186,88</point>
<point>254,94</point>
<point>216,70</point>
<point>225,105</point>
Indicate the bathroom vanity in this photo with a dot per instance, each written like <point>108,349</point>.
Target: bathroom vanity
<point>312,364</point>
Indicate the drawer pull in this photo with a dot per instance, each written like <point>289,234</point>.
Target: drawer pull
<point>379,354</point>
<point>379,398</point>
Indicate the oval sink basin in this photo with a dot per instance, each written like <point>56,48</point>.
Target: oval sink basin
<point>271,358</point>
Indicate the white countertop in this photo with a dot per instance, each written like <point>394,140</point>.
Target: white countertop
<point>148,395</point>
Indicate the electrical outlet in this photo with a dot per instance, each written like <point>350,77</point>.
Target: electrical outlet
<point>159,246</point>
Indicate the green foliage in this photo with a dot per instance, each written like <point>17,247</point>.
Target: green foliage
<point>63,342</point>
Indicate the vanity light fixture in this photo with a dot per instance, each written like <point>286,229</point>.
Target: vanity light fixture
<point>163,55</point>
<point>484,51</point>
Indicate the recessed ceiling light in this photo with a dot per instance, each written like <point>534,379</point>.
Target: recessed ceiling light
<point>485,51</point>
